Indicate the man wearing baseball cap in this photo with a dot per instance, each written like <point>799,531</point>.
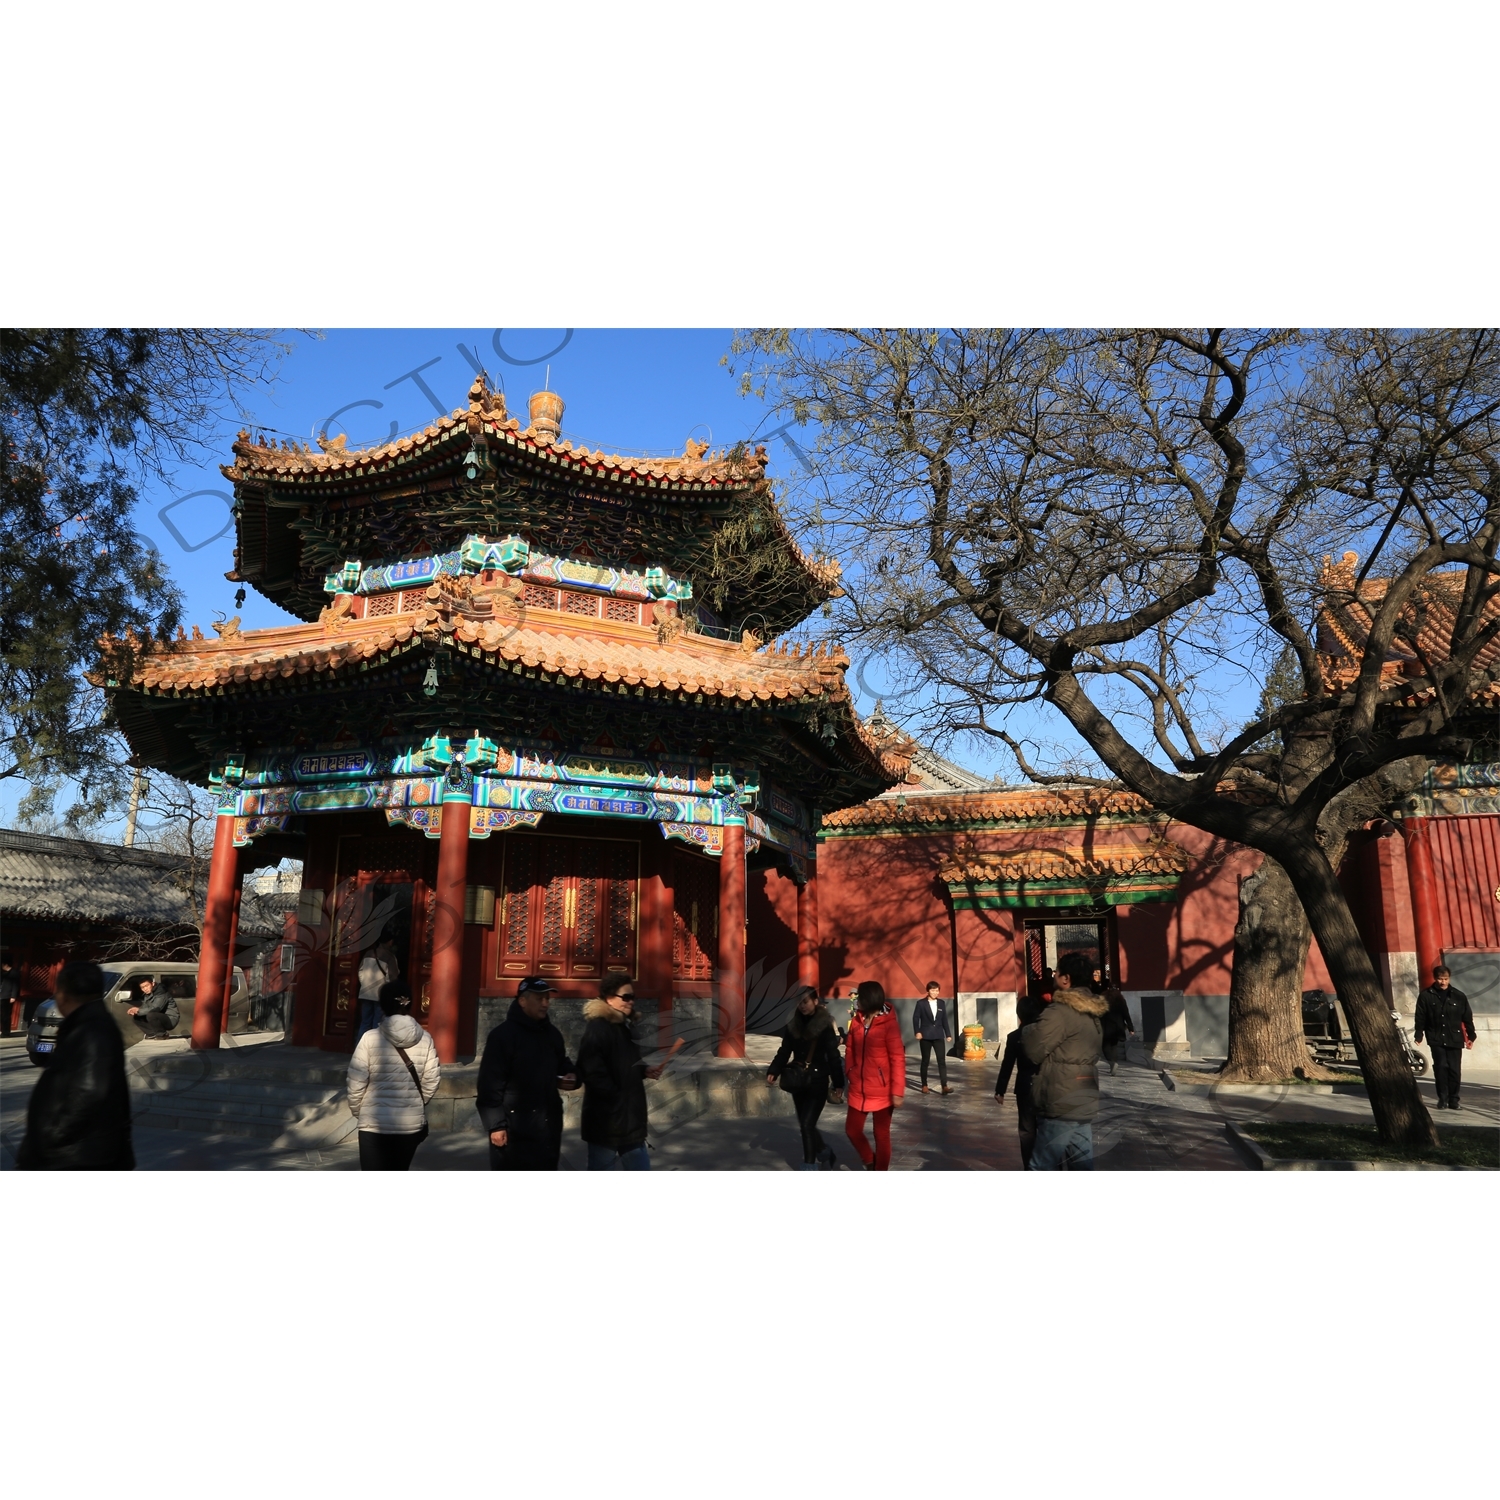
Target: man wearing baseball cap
<point>525,1063</point>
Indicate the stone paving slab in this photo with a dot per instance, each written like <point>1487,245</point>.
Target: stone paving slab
<point>1143,1126</point>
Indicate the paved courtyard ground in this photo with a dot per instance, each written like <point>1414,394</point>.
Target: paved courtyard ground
<point>1143,1126</point>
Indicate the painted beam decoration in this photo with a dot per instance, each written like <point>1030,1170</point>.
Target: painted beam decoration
<point>1104,875</point>
<point>509,787</point>
<point>1449,790</point>
<point>512,555</point>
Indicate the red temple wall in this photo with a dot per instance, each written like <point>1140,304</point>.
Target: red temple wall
<point>884,914</point>
<point>1466,861</point>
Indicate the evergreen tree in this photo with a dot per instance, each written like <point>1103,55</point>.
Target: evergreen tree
<point>85,416</point>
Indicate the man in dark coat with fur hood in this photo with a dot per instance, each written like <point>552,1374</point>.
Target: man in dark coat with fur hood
<point>1065,1043</point>
<point>614,1089</point>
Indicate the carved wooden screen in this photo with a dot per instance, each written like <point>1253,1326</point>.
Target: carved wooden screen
<point>695,916</point>
<point>570,907</point>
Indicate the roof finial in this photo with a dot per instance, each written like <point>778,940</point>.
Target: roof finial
<point>546,415</point>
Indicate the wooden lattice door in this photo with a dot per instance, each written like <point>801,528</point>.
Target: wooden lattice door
<point>695,916</point>
<point>385,893</point>
<point>570,907</point>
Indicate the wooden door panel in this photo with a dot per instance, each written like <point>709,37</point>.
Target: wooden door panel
<point>382,879</point>
<point>552,923</point>
<point>569,910</point>
<point>695,917</point>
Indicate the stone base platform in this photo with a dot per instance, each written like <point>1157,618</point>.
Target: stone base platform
<point>294,1097</point>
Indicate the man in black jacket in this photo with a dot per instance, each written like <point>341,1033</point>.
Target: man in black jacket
<point>156,1012</point>
<point>1027,1011</point>
<point>79,1115</point>
<point>525,1063</point>
<point>1445,1019</point>
<point>10,992</point>
<point>614,1098</point>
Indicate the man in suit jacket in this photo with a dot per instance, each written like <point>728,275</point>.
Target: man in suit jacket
<point>931,1023</point>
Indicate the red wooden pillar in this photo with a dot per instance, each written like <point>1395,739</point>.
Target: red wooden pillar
<point>807,932</point>
<point>214,955</point>
<point>1424,900</point>
<point>448,926</point>
<point>731,975</point>
<point>654,939</point>
<point>232,946</point>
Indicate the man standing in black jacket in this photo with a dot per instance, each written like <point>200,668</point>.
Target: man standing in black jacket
<point>525,1063</point>
<point>1027,1011</point>
<point>614,1099</point>
<point>10,992</point>
<point>79,1115</point>
<point>1445,1019</point>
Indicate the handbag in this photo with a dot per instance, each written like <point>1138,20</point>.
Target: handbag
<point>798,1076</point>
<point>417,1084</point>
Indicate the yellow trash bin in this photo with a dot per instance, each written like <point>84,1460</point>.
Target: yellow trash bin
<point>973,1043</point>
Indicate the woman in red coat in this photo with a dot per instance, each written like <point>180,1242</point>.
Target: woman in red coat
<point>875,1070</point>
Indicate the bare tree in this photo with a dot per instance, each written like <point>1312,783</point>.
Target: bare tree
<point>1132,527</point>
<point>178,819</point>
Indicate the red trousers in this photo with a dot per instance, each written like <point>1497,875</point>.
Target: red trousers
<point>854,1128</point>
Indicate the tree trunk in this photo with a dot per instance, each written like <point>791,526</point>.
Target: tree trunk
<point>1265,990</point>
<point>1400,1115</point>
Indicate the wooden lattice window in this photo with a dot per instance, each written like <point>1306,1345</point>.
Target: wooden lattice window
<point>622,897</point>
<point>516,914</point>
<point>580,604</point>
<point>412,599</point>
<point>627,611</point>
<point>695,917</point>
<point>381,604</point>
<point>586,908</point>
<point>554,882</point>
<point>534,596</point>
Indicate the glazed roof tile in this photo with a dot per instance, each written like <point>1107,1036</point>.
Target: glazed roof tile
<point>1425,633</point>
<point>528,639</point>
<point>1013,805</point>
<point>1157,858</point>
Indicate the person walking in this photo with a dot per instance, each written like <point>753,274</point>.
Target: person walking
<point>10,996</point>
<point>1117,1025</point>
<point>875,1071</point>
<point>392,1075</point>
<point>930,1022</point>
<point>1446,1019</point>
<point>1064,1043</point>
<point>805,1065</point>
<point>78,1117</point>
<point>378,966</point>
<point>156,1012</point>
<point>524,1065</point>
<point>1016,1061</point>
<point>614,1089</point>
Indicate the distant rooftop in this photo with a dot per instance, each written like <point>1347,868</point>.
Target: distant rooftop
<point>929,769</point>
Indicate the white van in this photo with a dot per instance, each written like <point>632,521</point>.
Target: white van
<point>122,989</point>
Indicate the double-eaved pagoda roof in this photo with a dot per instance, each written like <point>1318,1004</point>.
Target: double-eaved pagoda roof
<point>484,579</point>
<point>304,512</point>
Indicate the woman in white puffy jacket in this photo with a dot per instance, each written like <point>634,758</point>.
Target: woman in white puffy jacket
<point>392,1075</point>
